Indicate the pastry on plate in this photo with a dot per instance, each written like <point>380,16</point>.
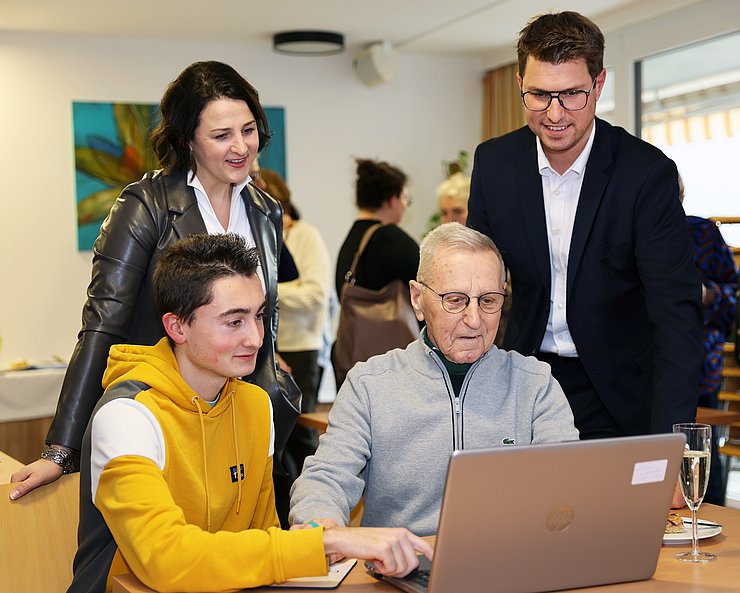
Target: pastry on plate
<point>674,523</point>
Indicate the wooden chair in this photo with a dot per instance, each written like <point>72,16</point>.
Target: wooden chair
<point>38,537</point>
<point>730,397</point>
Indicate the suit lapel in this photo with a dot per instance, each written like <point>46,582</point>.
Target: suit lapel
<point>532,201</point>
<point>592,191</point>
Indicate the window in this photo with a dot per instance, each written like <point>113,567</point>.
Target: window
<point>690,109</point>
<point>605,106</point>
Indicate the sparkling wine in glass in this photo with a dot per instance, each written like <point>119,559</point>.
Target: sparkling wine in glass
<point>693,478</point>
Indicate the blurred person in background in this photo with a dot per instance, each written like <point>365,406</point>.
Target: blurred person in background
<point>719,276</point>
<point>453,194</point>
<point>391,254</point>
<point>304,304</point>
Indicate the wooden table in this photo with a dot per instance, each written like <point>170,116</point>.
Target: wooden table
<point>28,400</point>
<point>8,466</point>
<point>317,420</point>
<point>671,575</point>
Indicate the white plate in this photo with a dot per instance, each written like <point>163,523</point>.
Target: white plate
<point>703,532</point>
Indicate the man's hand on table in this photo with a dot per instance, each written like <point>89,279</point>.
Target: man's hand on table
<point>392,550</point>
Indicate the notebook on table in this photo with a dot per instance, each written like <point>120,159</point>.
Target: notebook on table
<point>551,517</point>
<point>337,572</point>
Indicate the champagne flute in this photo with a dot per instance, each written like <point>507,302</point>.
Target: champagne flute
<point>693,478</point>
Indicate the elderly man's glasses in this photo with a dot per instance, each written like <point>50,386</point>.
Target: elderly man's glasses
<point>457,302</point>
<point>569,100</point>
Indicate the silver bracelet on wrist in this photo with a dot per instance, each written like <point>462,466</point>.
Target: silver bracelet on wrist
<point>59,456</point>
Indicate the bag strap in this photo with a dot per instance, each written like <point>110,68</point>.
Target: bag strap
<point>349,277</point>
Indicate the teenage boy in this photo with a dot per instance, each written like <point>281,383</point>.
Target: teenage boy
<point>176,468</point>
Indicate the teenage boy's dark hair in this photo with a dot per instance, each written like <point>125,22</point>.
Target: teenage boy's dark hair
<point>562,37</point>
<point>184,276</point>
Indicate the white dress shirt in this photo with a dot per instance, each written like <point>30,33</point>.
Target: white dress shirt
<point>561,193</point>
<point>304,302</point>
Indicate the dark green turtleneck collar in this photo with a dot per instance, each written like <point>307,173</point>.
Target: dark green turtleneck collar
<point>456,371</point>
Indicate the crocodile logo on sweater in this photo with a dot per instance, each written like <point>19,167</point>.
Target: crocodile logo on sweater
<point>508,441</point>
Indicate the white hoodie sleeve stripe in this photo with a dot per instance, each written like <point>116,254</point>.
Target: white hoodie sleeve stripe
<point>124,427</point>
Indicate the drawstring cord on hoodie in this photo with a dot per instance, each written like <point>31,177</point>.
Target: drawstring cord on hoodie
<point>236,452</point>
<point>196,402</point>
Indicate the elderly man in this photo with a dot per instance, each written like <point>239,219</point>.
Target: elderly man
<point>400,415</point>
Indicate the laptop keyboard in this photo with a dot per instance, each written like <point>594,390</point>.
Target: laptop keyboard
<point>419,576</point>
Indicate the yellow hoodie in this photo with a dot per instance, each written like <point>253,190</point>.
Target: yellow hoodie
<point>160,468</point>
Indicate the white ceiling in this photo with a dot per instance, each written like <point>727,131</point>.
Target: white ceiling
<point>476,27</point>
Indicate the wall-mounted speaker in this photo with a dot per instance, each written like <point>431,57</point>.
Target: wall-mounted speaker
<point>376,64</point>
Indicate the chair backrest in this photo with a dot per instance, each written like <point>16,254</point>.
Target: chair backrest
<point>38,537</point>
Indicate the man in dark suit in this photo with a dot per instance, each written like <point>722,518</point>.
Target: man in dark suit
<point>588,221</point>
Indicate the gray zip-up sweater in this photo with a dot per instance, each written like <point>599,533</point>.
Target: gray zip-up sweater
<point>396,421</point>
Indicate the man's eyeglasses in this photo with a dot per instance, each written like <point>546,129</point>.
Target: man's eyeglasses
<point>569,100</point>
<point>457,302</point>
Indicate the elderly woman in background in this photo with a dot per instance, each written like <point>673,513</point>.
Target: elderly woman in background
<point>453,194</point>
<point>211,130</point>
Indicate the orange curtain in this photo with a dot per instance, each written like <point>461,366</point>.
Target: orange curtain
<point>502,106</point>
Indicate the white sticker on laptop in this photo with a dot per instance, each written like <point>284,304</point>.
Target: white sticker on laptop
<point>647,472</point>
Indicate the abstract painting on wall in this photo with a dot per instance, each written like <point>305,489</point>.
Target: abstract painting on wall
<point>113,148</point>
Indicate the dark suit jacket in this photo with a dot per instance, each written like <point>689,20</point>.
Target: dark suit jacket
<point>147,216</point>
<point>633,293</point>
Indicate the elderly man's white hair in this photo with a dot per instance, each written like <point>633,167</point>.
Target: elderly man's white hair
<point>453,235</point>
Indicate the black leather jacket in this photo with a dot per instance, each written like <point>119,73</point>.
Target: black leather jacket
<point>149,215</point>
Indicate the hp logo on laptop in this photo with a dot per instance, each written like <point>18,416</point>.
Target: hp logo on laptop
<point>560,518</point>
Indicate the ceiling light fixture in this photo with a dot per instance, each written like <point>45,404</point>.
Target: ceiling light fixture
<point>308,43</point>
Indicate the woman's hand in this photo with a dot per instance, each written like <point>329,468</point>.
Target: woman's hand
<point>32,476</point>
<point>393,551</point>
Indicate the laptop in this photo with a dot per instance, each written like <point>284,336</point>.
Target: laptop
<point>525,519</point>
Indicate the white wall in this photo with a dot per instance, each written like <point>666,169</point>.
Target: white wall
<point>424,117</point>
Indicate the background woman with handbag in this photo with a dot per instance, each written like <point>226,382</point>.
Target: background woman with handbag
<point>391,253</point>
<point>211,130</point>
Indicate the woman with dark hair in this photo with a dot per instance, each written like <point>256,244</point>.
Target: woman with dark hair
<point>391,254</point>
<point>212,127</point>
